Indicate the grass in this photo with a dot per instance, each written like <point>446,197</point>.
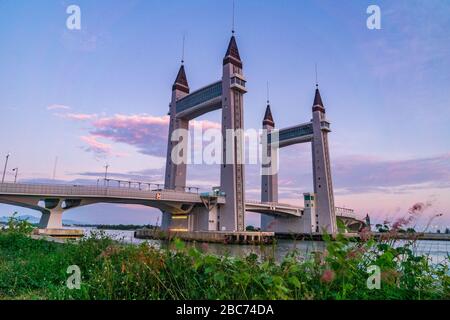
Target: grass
<point>36,269</point>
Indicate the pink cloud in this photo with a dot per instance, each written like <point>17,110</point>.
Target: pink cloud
<point>147,133</point>
<point>78,116</point>
<point>123,121</point>
<point>359,173</point>
<point>96,146</point>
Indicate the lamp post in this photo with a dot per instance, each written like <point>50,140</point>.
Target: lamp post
<point>106,172</point>
<point>6,165</point>
<point>15,176</point>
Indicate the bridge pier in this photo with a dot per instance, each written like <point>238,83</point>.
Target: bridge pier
<point>50,223</point>
<point>51,219</point>
<point>166,220</point>
<point>204,219</point>
<point>52,215</point>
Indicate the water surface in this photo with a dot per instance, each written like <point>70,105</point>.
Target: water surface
<point>438,251</point>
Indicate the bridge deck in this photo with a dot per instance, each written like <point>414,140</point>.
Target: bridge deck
<point>292,135</point>
<point>123,194</point>
<point>199,102</point>
<point>77,191</point>
<point>274,208</point>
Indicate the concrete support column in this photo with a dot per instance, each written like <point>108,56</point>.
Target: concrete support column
<point>203,219</point>
<point>232,214</point>
<point>309,216</point>
<point>323,186</point>
<point>175,177</point>
<point>51,219</point>
<point>269,181</point>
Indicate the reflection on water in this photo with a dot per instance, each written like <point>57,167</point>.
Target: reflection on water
<point>438,251</point>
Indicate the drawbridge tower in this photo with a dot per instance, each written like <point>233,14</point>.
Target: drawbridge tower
<point>269,172</point>
<point>320,209</point>
<point>232,167</point>
<point>175,177</point>
<point>226,94</point>
<point>323,185</point>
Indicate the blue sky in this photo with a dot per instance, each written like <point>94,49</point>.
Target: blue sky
<point>386,92</point>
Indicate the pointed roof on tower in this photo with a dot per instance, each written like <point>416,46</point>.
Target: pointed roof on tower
<point>318,104</point>
<point>318,98</point>
<point>232,54</point>
<point>181,81</point>
<point>233,50</point>
<point>268,119</point>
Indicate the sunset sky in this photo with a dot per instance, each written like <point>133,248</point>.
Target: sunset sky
<point>100,94</point>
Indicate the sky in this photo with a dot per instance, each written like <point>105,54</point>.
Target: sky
<point>100,94</point>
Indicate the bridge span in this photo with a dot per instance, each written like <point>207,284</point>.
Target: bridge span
<point>53,200</point>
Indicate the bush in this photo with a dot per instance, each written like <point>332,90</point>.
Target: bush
<point>112,270</point>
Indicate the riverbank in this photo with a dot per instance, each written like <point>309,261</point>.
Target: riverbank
<point>236,237</point>
<point>37,269</point>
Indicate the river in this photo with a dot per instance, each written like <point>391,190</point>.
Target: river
<point>438,251</point>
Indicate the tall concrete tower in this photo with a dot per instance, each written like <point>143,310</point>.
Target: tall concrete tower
<point>269,174</point>
<point>232,168</point>
<point>175,178</point>
<point>323,186</point>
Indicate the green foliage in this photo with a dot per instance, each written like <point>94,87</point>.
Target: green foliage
<point>36,269</point>
<point>16,225</point>
<point>382,227</point>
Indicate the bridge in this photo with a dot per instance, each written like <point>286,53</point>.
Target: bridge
<point>274,209</point>
<point>53,200</point>
<point>225,207</point>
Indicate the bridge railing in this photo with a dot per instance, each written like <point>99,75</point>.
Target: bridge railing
<point>274,204</point>
<point>140,185</point>
<point>49,190</point>
<point>199,96</point>
<point>345,212</point>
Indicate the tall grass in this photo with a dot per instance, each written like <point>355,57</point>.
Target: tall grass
<point>36,269</point>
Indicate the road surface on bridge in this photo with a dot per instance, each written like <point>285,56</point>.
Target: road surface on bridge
<point>16,193</point>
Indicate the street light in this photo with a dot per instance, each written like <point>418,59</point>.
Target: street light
<point>106,172</point>
<point>6,164</point>
<point>15,176</point>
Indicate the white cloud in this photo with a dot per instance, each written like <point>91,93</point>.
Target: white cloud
<point>58,107</point>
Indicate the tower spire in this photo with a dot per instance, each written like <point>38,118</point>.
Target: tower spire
<point>181,79</point>
<point>232,55</point>
<point>268,118</point>
<point>182,50</point>
<point>318,104</point>
<point>318,100</point>
<point>317,82</point>
<point>232,21</point>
